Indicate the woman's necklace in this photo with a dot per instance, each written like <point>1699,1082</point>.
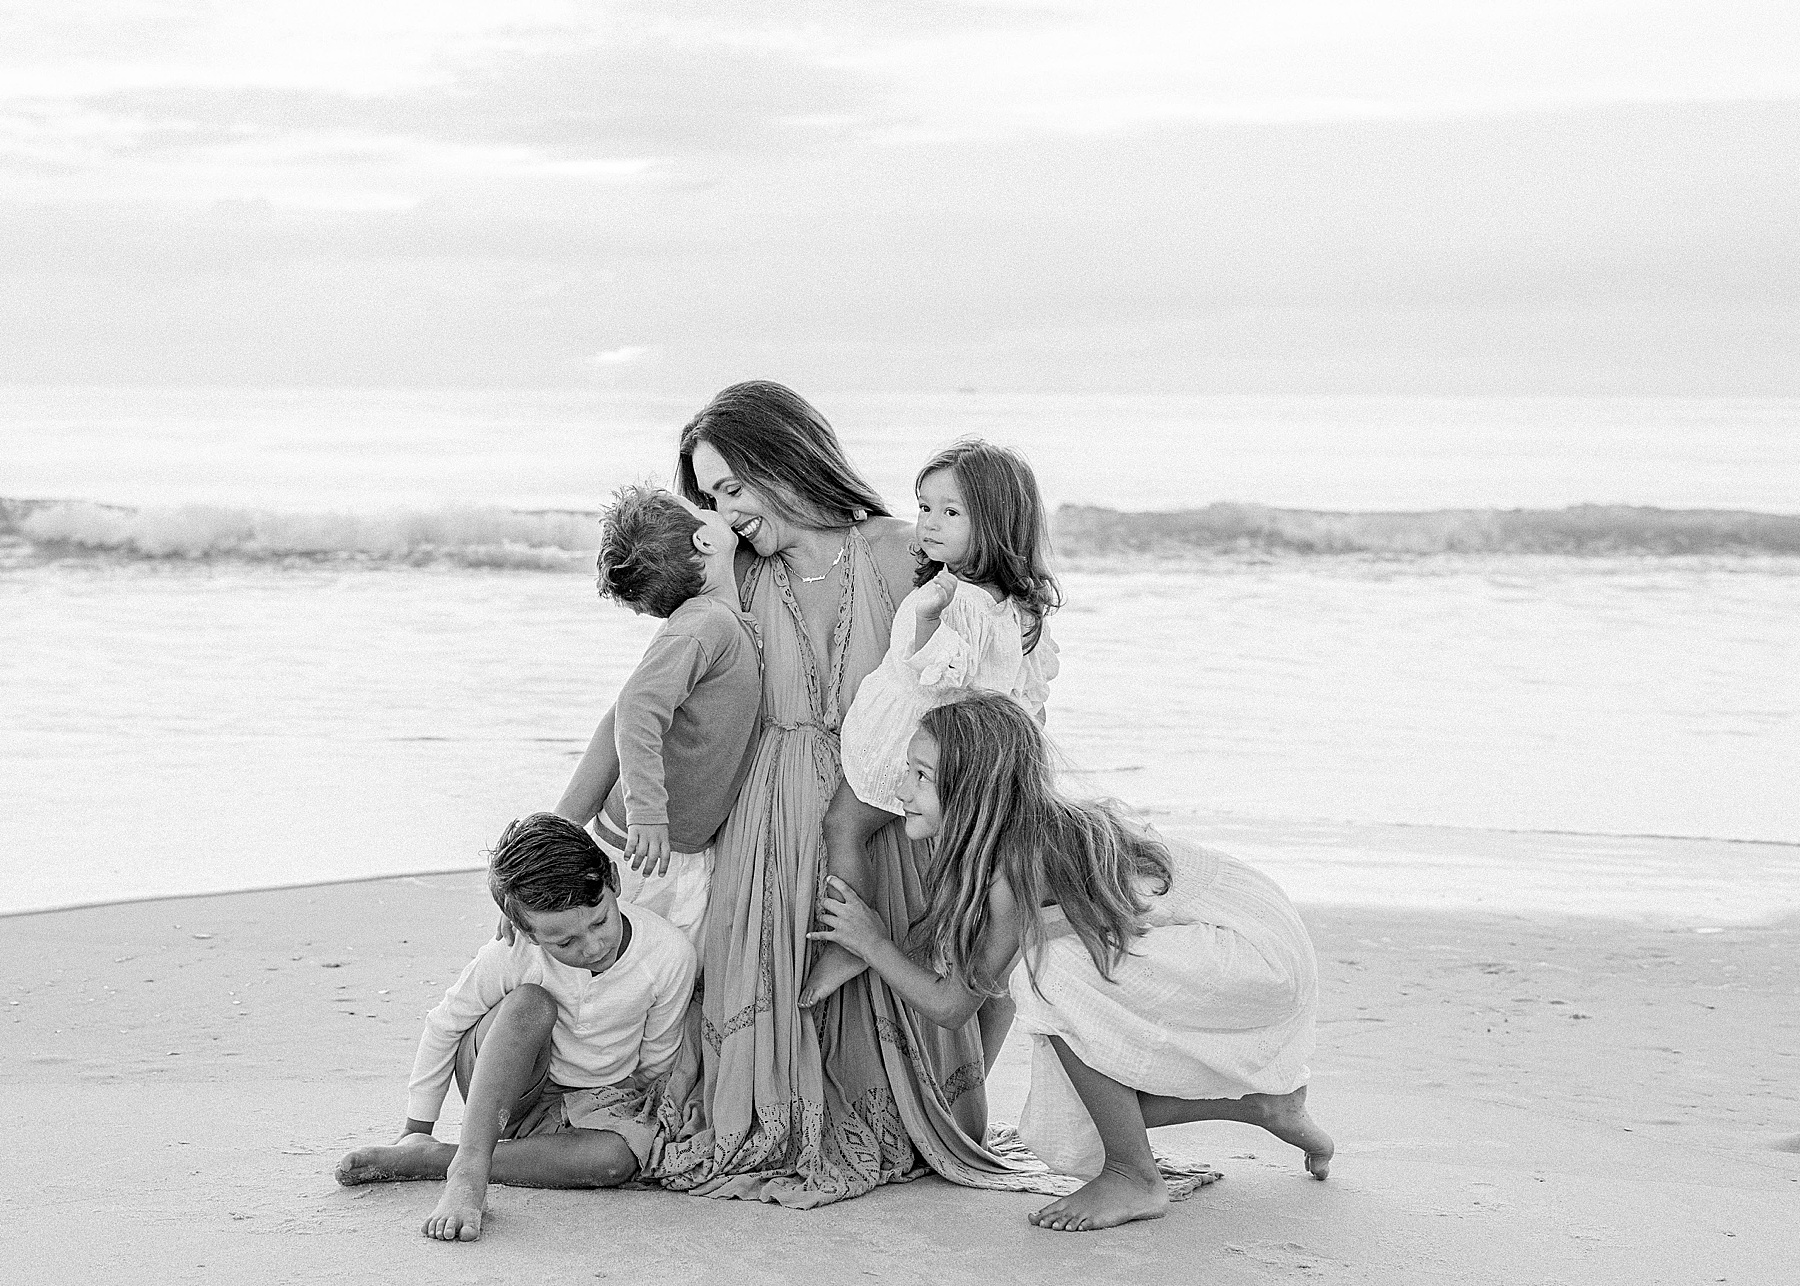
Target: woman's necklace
<point>814,580</point>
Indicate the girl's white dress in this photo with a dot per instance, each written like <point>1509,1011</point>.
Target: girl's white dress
<point>1216,1000</point>
<point>979,644</point>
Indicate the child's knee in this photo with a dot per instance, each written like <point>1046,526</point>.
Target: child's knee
<point>609,1162</point>
<point>532,1003</point>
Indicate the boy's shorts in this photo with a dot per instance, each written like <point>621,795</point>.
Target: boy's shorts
<point>611,1107</point>
<point>678,895</point>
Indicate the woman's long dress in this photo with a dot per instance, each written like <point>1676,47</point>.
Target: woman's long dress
<point>785,1105</point>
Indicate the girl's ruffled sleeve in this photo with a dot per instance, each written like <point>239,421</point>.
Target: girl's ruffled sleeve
<point>949,657</point>
<point>1041,666</point>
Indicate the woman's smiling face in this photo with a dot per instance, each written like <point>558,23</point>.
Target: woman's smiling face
<point>743,507</point>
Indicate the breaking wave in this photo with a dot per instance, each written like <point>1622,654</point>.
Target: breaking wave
<point>556,540</point>
<point>1581,530</point>
<point>472,537</point>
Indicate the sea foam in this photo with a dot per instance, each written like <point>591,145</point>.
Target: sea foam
<point>558,539</point>
<point>1580,530</point>
<point>468,537</point>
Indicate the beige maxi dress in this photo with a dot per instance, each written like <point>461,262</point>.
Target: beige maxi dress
<point>771,1102</point>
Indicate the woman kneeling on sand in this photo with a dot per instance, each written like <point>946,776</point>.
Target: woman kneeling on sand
<point>1162,983</point>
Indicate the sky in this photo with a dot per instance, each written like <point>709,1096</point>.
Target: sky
<point>1287,196</point>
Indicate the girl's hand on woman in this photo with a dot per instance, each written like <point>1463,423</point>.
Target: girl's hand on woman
<point>848,920</point>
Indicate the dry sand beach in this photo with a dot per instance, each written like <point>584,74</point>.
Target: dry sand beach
<point>1516,1098</point>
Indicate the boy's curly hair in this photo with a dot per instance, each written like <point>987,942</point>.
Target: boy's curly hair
<point>547,863</point>
<point>647,556</point>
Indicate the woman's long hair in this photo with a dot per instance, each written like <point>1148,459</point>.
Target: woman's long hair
<point>1002,815</point>
<point>780,447</point>
<point>1009,534</point>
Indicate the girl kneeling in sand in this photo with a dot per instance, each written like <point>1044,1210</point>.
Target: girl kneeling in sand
<point>1163,983</point>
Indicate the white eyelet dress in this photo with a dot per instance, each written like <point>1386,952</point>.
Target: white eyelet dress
<point>979,645</point>
<point>1215,1000</point>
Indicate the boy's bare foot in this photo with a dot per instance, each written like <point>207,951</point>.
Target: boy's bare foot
<point>415,1156</point>
<point>1109,1199</point>
<point>834,967</point>
<point>459,1210</point>
<point>1285,1116</point>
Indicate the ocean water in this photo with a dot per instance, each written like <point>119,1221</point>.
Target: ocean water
<point>361,450</point>
<point>253,669</point>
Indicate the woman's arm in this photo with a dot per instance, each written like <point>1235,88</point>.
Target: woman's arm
<point>594,777</point>
<point>948,1002</point>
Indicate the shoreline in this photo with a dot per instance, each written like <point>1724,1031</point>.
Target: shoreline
<point>1514,1097</point>
<point>1296,852</point>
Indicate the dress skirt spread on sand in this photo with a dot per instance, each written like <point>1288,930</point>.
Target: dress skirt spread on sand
<point>1216,1000</point>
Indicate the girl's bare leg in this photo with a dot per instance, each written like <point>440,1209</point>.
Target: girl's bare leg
<point>504,1069</point>
<point>996,1019</point>
<point>1283,1115</point>
<point>1129,1186</point>
<point>849,825</point>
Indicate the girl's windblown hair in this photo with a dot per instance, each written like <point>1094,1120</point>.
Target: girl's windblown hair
<point>1002,816</point>
<point>1009,534</point>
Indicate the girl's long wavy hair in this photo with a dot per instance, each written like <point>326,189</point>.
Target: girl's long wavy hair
<point>1009,533</point>
<point>1002,816</point>
<point>779,446</point>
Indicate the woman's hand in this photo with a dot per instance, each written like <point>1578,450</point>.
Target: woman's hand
<point>848,920</point>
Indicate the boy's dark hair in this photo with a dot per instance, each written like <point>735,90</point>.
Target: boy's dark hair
<point>547,863</point>
<point>647,555</point>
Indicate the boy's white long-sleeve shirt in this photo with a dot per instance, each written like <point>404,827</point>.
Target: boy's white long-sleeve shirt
<point>610,1027</point>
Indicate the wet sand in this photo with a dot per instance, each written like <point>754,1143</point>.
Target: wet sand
<point>1515,1098</point>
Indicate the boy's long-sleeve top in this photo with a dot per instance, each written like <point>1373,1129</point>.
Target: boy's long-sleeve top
<point>685,724</point>
<point>611,1027</point>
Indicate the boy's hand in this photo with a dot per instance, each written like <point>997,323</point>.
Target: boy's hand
<point>648,848</point>
<point>935,595</point>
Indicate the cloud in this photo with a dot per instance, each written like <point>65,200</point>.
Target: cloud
<point>629,355</point>
<point>1012,195</point>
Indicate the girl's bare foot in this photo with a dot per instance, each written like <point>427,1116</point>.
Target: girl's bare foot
<point>834,967</point>
<point>415,1156</point>
<point>459,1210</point>
<point>1285,1116</point>
<point>1109,1199</point>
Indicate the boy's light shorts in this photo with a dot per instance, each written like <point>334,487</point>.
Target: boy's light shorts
<point>678,895</point>
<point>618,1108</point>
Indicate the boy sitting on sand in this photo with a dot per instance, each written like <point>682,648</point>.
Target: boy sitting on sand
<point>554,1038</point>
<point>669,759</point>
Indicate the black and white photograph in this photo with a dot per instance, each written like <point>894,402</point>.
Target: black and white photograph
<point>949,641</point>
